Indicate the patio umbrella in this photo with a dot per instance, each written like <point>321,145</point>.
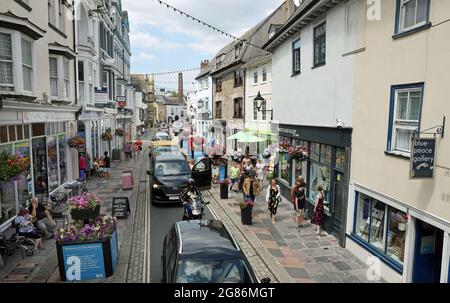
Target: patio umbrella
<point>245,137</point>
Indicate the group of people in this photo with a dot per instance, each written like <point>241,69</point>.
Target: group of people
<point>131,148</point>
<point>103,166</point>
<point>35,222</point>
<point>250,178</point>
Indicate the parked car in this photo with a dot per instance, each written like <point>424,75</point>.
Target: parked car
<point>163,127</point>
<point>169,173</point>
<point>161,136</point>
<point>204,251</point>
<point>177,127</point>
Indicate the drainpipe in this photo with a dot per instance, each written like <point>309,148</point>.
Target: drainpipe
<point>75,66</point>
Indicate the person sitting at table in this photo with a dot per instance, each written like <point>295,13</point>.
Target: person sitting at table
<point>98,163</point>
<point>27,229</point>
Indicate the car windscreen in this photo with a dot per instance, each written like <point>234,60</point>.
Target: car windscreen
<point>163,138</point>
<point>160,149</point>
<point>171,168</point>
<point>206,271</point>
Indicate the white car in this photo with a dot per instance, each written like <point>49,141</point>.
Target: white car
<point>177,126</point>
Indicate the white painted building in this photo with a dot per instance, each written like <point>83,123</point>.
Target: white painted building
<point>202,110</point>
<point>313,82</point>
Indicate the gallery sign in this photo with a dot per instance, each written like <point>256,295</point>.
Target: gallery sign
<point>422,158</point>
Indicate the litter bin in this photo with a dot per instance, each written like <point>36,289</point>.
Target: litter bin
<point>127,180</point>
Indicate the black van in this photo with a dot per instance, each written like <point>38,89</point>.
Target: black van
<point>169,173</point>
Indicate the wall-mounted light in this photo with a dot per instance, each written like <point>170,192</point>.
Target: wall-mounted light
<point>259,100</point>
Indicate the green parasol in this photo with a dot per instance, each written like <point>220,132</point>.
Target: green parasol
<point>245,137</point>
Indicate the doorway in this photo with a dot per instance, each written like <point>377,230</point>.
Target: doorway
<point>336,211</point>
<point>427,253</point>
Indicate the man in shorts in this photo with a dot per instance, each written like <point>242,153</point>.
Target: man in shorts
<point>106,167</point>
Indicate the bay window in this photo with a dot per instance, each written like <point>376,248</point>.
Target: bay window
<point>54,78</point>
<point>16,63</point>
<point>81,86</point>
<point>66,78</point>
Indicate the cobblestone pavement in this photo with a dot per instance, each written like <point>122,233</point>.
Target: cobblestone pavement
<point>43,267</point>
<point>283,251</point>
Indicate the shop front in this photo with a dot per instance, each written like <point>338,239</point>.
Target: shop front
<point>326,165</point>
<point>411,245</point>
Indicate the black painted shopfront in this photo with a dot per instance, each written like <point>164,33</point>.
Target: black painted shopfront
<point>328,165</point>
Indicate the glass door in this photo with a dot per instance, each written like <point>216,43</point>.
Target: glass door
<point>40,168</point>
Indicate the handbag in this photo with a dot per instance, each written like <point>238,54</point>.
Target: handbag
<point>279,200</point>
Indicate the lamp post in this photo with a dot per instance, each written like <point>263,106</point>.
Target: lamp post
<point>259,101</point>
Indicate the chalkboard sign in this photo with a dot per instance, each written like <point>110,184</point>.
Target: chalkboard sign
<point>120,208</point>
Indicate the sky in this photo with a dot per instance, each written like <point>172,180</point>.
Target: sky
<point>162,40</point>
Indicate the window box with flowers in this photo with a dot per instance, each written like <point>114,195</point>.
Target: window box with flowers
<point>87,251</point>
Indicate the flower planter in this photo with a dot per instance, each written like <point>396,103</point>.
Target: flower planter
<point>246,215</point>
<point>85,214</point>
<point>87,260</point>
<point>401,226</point>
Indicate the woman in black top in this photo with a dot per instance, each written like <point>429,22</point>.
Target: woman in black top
<point>300,201</point>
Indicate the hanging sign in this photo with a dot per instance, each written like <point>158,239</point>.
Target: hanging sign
<point>121,101</point>
<point>101,95</point>
<point>422,158</point>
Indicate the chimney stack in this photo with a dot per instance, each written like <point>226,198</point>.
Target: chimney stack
<point>180,87</point>
<point>204,65</point>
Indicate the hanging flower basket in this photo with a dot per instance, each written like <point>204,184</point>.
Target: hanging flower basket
<point>11,166</point>
<point>107,136</point>
<point>298,153</point>
<point>76,142</point>
<point>119,132</point>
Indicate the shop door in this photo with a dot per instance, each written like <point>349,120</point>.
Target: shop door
<point>428,253</point>
<point>336,211</point>
<point>40,168</point>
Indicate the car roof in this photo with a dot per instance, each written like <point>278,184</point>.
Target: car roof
<point>169,156</point>
<point>206,239</point>
<point>164,143</point>
<point>161,134</point>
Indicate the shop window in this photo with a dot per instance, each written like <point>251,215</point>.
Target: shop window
<point>38,129</point>
<point>315,151</point>
<point>3,134</point>
<point>12,133</point>
<point>7,148</point>
<point>24,183</point>
<point>319,175</point>
<point>7,201</point>
<point>396,234</point>
<point>371,218</point>
<point>340,158</point>
<point>62,158</point>
<point>325,154</point>
<point>52,154</point>
<point>19,132</point>
<point>284,167</point>
<point>26,132</point>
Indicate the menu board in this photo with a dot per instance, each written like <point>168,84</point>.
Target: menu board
<point>120,207</point>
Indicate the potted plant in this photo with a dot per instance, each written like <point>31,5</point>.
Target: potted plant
<point>401,219</point>
<point>84,207</point>
<point>92,248</point>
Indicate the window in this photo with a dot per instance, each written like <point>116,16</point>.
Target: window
<point>6,63</point>
<point>81,85</point>
<point>54,91</point>
<point>238,108</point>
<point>91,84</point>
<point>320,44</point>
<point>296,57</point>
<point>51,12</point>
<point>255,110</point>
<point>264,74</point>
<point>412,14</point>
<point>300,167</point>
<point>340,158</point>
<point>27,66</point>
<point>381,226</point>
<point>237,50</point>
<point>62,16</point>
<point>238,76</point>
<point>218,84</point>
<point>284,167</point>
<point>255,76</point>
<point>404,116</point>
<point>219,109</point>
<point>66,78</point>
<point>320,175</point>
<point>219,60</point>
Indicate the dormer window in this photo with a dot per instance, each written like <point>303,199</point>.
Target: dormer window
<point>237,50</point>
<point>219,60</point>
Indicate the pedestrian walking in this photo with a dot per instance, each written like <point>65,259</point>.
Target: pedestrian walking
<point>139,145</point>
<point>251,190</point>
<point>260,170</point>
<point>82,166</point>
<point>135,150</point>
<point>300,202</point>
<point>318,214</point>
<point>234,176</point>
<point>127,149</point>
<point>273,198</point>
<point>300,179</point>
<point>106,167</point>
